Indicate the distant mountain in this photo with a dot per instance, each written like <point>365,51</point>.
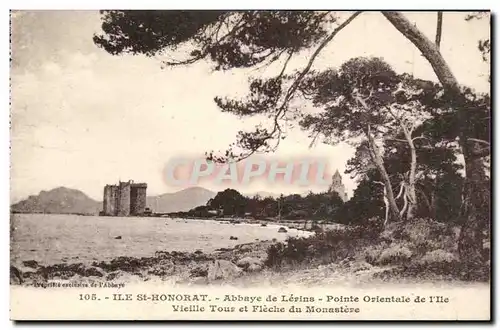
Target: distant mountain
<point>60,201</point>
<point>183,200</point>
<point>64,201</point>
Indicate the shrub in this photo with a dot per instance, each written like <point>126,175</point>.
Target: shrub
<point>323,247</point>
<point>394,254</point>
<point>438,257</point>
<point>274,255</point>
<point>372,253</point>
<point>423,235</point>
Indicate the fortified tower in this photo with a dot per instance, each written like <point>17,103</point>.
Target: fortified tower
<point>124,199</point>
<point>110,205</point>
<point>138,198</point>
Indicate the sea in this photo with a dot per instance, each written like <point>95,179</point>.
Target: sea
<point>53,238</point>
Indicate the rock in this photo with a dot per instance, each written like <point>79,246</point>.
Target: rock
<point>234,238</point>
<point>199,280</point>
<point>254,268</point>
<point>127,264</point>
<point>199,272</point>
<point>282,230</point>
<point>360,266</point>
<point>30,263</point>
<point>115,275</point>
<point>162,254</point>
<point>222,270</point>
<point>246,262</point>
<point>16,276</point>
<point>118,237</point>
<point>160,271</point>
<point>223,250</point>
<point>244,248</point>
<point>92,271</point>
<point>67,271</point>
<point>33,278</point>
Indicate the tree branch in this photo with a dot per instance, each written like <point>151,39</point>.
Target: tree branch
<point>292,89</point>
<point>286,64</point>
<point>428,49</point>
<point>323,44</point>
<point>202,54</point>
<point>281,111</point>
<point>420,137</point>
<point>397,140</point>
<point>478,141</point>
<point>439,28</point>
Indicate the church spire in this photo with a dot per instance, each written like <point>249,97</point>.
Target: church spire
<point>338,186</point>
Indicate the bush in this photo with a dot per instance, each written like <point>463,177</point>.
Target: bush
<point>396,253</point>
<point>420,248</point>
<point>438,257</point>
<point>422,235</point>
<point>372,253</point>
<point>323,247</point>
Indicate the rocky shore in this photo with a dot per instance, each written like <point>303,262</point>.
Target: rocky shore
<point>242,265</point>
<point>418,251</point>
<point>181,267</point>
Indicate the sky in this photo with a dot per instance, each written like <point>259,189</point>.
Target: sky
<point>82,118</point>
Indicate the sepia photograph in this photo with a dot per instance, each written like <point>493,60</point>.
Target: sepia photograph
<point>250,165</point>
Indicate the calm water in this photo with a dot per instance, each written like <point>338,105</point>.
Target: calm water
<point>51,239</point>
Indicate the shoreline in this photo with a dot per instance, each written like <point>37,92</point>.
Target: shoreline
<point>126,242</point>
<point>243,265</point>
<point>179,266</point>
<point>236,220</point>
<point>247,263</point>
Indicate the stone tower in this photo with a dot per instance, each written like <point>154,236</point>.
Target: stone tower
<point>138,198</point>
<point>125,199</point>
<point>338,186</point>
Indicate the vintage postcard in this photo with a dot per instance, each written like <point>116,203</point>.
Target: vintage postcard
<point>250,165</point>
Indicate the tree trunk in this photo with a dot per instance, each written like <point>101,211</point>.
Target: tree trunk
<point>412,201</point>
<point>470,245</point>
<point>428,48</point>
<point>434,202</point>
<point>427,203</point>
<point>379,162</point>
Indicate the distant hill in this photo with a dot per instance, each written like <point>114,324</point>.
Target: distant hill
<point>60,201</point>
<point>72,201</point>
<point>179,201</point>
